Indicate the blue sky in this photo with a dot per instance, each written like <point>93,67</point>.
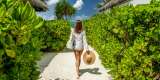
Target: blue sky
<point>88,8</point>
<point>85,8</point>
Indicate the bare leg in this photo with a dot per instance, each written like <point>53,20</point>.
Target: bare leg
<point>78,61</point>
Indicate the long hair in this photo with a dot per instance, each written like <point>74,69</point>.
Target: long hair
<point>78,27</point>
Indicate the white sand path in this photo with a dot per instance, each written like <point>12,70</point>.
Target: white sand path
<point>62,67</point>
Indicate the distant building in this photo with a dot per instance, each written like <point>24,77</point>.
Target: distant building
<point>135,2</point>
<point>113,3</point>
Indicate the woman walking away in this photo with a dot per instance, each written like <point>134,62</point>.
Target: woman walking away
<point>78,43</point>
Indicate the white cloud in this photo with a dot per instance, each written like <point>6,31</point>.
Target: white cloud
<point>49,14</point>
<point>81,17</point>
<point>51,2</point>
<point>78,5</point>
<point>46,15</point>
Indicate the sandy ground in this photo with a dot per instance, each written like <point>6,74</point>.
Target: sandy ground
<point>62,67</point>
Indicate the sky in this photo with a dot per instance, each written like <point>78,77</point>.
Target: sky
<point>88,8</point>
<point>85,8</point>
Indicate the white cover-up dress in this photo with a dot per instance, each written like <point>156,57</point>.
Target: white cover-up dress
<point>77,41</point>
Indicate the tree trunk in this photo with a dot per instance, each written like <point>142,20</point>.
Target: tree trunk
<point>111,3</point>
<point>39,5</point>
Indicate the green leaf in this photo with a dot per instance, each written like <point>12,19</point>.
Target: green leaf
<point>11,53</point>
<point>115,30</point>
<point>39,25</point>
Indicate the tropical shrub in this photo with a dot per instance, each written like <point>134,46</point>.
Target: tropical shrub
<point>54,35</point>
<point>18,52</point>
<point>128,41</point>
<point>22,37</point>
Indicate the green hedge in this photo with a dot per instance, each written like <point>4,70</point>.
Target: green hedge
<point>22,36</point>
<point>54,35</point>
<point>128,41</point>
<point>18,55</point>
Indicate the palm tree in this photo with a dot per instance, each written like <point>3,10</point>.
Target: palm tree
<point>63,10</point>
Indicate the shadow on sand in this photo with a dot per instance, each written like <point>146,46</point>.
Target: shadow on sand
<point>82,71</point>
<point>92,71</point>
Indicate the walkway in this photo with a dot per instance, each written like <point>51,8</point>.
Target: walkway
<point>62,67</point>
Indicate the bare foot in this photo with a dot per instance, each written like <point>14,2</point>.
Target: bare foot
<point>78,75</point>
<point>78,78</point>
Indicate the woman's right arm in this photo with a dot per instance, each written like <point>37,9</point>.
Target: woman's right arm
<point>72,37</point>
<point>70,42</point>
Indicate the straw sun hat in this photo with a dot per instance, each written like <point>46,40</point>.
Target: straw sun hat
<point>89,57</point>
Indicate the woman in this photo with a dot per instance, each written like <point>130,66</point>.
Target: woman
<point>78,43</point>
